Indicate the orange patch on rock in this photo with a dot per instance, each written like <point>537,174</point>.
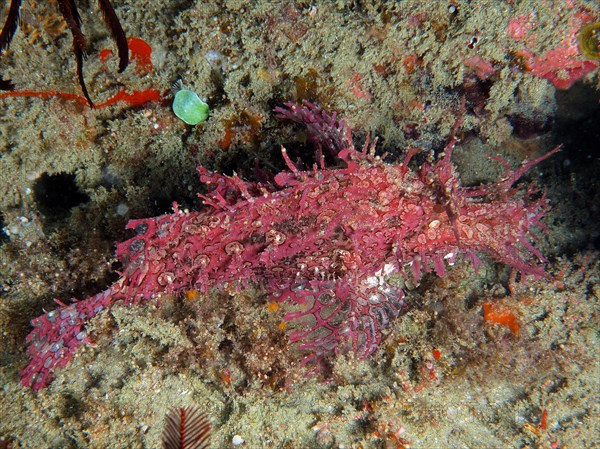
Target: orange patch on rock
<point>496,314</point>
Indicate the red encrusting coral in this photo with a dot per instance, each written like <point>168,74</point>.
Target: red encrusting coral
<point>134,99</point>
<point>326,240</point>
<point>141,53</point>
<point>68,9</point>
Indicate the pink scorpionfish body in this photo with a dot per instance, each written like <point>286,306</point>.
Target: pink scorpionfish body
<point>326,240</point>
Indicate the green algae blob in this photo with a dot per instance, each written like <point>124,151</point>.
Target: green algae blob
<point>588,39</point>
<point>188,106</point>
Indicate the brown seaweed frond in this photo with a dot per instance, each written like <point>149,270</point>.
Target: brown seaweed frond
<point>116,30</point>
<point>68,9</point>
<point>10,26</point>
<point>186,428</point>
<point>6,35</point>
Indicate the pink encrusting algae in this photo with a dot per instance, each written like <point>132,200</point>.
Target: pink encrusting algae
<point>563,65</point>
<point>326,240</point>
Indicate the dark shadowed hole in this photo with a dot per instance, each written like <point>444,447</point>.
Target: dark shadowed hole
<point>72,406</point>
<point>576,195</point>
<point>528,128</point>
<point>56,195</point>
<point>3,236</point>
